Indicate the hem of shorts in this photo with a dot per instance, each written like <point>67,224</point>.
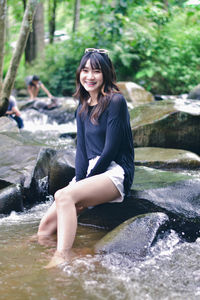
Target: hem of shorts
<point>121,199</point>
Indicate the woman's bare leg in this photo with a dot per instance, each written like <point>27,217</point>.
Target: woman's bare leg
<point>48,224</point>
<point>87,192</point>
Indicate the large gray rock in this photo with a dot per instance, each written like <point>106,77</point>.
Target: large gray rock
<point>176,194</point>
<point>167,124</point>
<point>8,124</point>
<point>37,169</point>
<point>134,237</point>
<point>26,163</point>
<point>61,170</point>
<point>17,160</point>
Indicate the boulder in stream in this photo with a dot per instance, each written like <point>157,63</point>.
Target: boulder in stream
<point>167,124</point>
<point>61,170</point>
<point>134,237</point>
<point>175,194</point>
<point>11,199</point>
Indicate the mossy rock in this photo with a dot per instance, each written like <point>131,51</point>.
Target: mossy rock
<point>167,124</point>
<point>163,158</point>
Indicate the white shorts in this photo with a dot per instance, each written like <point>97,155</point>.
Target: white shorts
<point>115,172</point>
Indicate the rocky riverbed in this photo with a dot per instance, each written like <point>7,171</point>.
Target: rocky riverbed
<point>165,194</point>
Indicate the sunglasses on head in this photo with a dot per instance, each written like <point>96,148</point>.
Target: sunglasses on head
<point>104,51</point>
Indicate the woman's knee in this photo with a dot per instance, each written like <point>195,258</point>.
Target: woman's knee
<point>63,198</point>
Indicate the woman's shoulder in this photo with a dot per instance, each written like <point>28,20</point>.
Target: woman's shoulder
<point>117,99</point>
<point>78,111</point>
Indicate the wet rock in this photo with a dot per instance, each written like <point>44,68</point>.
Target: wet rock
<point>195,93</point>
<point>8,124</point>
<point>135,93</point>
<point>176,194</point>
<point>11,199</point>
<point>167,124</point>
<point>158,97</point>
<point>68,135</point>
<point>37,191</point>
<point>26,163</point>
<point>62,113</point>
<point>163,158</point>
<point>61,170</point>
<point>134,237</point>
<point>17,160</point>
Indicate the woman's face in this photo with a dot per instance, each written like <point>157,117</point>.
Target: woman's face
<point>91,79</point>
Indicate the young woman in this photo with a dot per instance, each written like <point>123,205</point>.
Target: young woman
<point>104,165</point>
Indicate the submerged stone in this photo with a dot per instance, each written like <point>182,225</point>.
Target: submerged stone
<point>134,237</point>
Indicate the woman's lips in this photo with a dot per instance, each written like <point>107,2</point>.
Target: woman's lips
<point>90,83</point>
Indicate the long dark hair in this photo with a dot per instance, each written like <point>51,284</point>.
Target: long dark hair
<point>98,61</point>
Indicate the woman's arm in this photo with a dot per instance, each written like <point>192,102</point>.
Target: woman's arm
<point>81,161</point>
<point>114,133</point>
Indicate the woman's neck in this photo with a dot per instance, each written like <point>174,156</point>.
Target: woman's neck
<point>92,101</point>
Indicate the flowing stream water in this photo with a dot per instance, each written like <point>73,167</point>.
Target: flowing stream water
<point>171,271</point>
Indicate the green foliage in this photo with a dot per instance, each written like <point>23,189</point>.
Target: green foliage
<point>172,64</point>
<point>57,69</point>
<point>151,43</point>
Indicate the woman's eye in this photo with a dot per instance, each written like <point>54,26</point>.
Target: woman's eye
<point>97,71</point>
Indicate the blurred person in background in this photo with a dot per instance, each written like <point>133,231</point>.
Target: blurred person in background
<point>34,85</point>
<point>14,113</point>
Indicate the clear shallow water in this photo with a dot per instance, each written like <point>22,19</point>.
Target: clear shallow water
<point>172,271</point>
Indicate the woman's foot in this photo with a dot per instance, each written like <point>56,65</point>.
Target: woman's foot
<point>58,258</point>
<point>66,257</point>
<point>47,240</point>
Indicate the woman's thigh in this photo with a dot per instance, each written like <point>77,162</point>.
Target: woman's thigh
<point>92,191</point>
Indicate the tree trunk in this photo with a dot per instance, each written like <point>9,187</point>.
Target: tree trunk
<point>76,15</point>
<point>24,4</point>
<point>52,19</point>
<point>35,43</point>
<point>3,7</point>
<point>12,71</point>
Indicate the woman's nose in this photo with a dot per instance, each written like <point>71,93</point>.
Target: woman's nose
<point>90,74</point>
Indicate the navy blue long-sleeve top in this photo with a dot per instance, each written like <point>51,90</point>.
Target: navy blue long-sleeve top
<point>111,139</point>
